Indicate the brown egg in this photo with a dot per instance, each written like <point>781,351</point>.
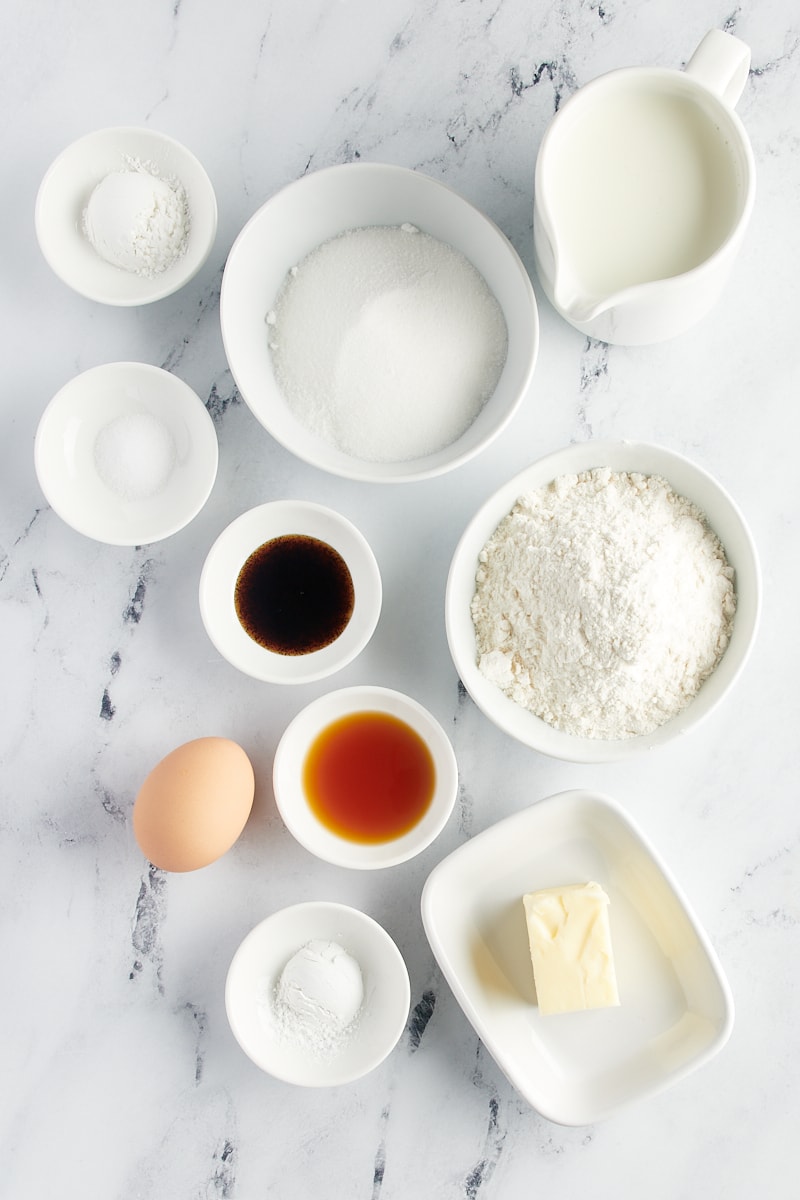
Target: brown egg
<point>192,807</point>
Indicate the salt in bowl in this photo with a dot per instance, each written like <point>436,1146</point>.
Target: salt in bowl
<point>126,453</point>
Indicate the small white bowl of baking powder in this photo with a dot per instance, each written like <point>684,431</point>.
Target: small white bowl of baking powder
<point>378,325</point>
<point>126,453</point>
<point>589,601</point>
<point>126,216</point>
<point>317,994</point>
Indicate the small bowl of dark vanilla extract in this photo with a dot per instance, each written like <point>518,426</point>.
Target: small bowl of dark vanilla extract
<point>290,592</point>
<point>365,777</point>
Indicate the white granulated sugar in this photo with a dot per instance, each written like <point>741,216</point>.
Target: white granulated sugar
<point>602,603</point>
<point>386,343</point>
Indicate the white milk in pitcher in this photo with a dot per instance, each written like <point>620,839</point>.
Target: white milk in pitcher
<point>644,187</point>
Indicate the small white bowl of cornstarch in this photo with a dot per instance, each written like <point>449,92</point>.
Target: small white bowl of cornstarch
<point>317,994</point>
<point>377,324</point>
<point>603,601</point>
<point>126,216</point>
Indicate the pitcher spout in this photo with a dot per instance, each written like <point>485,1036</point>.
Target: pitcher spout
<point>580,310</point>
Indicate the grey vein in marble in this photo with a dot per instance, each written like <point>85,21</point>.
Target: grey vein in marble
<point>111,805</point>
<point>379,1167</point>
<point>218,402</point>
<point>149,915</point>
<point>134,610</point>
<point>494,1143</point>
<point>420,1016</point>
<point>593,379</point>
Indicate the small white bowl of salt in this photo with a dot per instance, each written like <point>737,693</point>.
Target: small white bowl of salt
<point>126,216</point>
<point>126,453</point>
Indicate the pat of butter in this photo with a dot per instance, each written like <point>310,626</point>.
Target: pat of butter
<point>571,953</point>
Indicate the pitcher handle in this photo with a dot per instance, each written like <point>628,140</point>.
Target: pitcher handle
<point>721,63</point>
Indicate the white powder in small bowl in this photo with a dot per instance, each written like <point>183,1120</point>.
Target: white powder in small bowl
<point>134,455</point>
<point>319,998</point>
<point>137,221</point>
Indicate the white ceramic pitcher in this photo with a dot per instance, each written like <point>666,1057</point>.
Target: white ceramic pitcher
<point>645,182</point>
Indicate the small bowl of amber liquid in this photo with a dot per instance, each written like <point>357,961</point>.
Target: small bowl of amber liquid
<point>290,592</point>
<point>365,777</point>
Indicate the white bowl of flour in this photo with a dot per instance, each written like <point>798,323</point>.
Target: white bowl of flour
<point>603,601</point>
<point>377,324</point>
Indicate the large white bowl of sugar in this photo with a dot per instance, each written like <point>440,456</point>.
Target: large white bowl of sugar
<point>377,324</point>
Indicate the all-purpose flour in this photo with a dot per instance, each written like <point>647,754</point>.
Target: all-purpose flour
<point>602,603</point>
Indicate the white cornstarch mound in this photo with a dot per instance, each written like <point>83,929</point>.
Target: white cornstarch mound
<point>386,342</point>
<point>602,603</point>
<point>138,221</point>
<point>319,997</point>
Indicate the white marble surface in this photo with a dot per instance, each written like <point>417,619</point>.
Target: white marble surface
<point>120,1076</point>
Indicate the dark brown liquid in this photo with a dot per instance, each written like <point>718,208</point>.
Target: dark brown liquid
<point>294,595</point>
<point>369,777</point>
